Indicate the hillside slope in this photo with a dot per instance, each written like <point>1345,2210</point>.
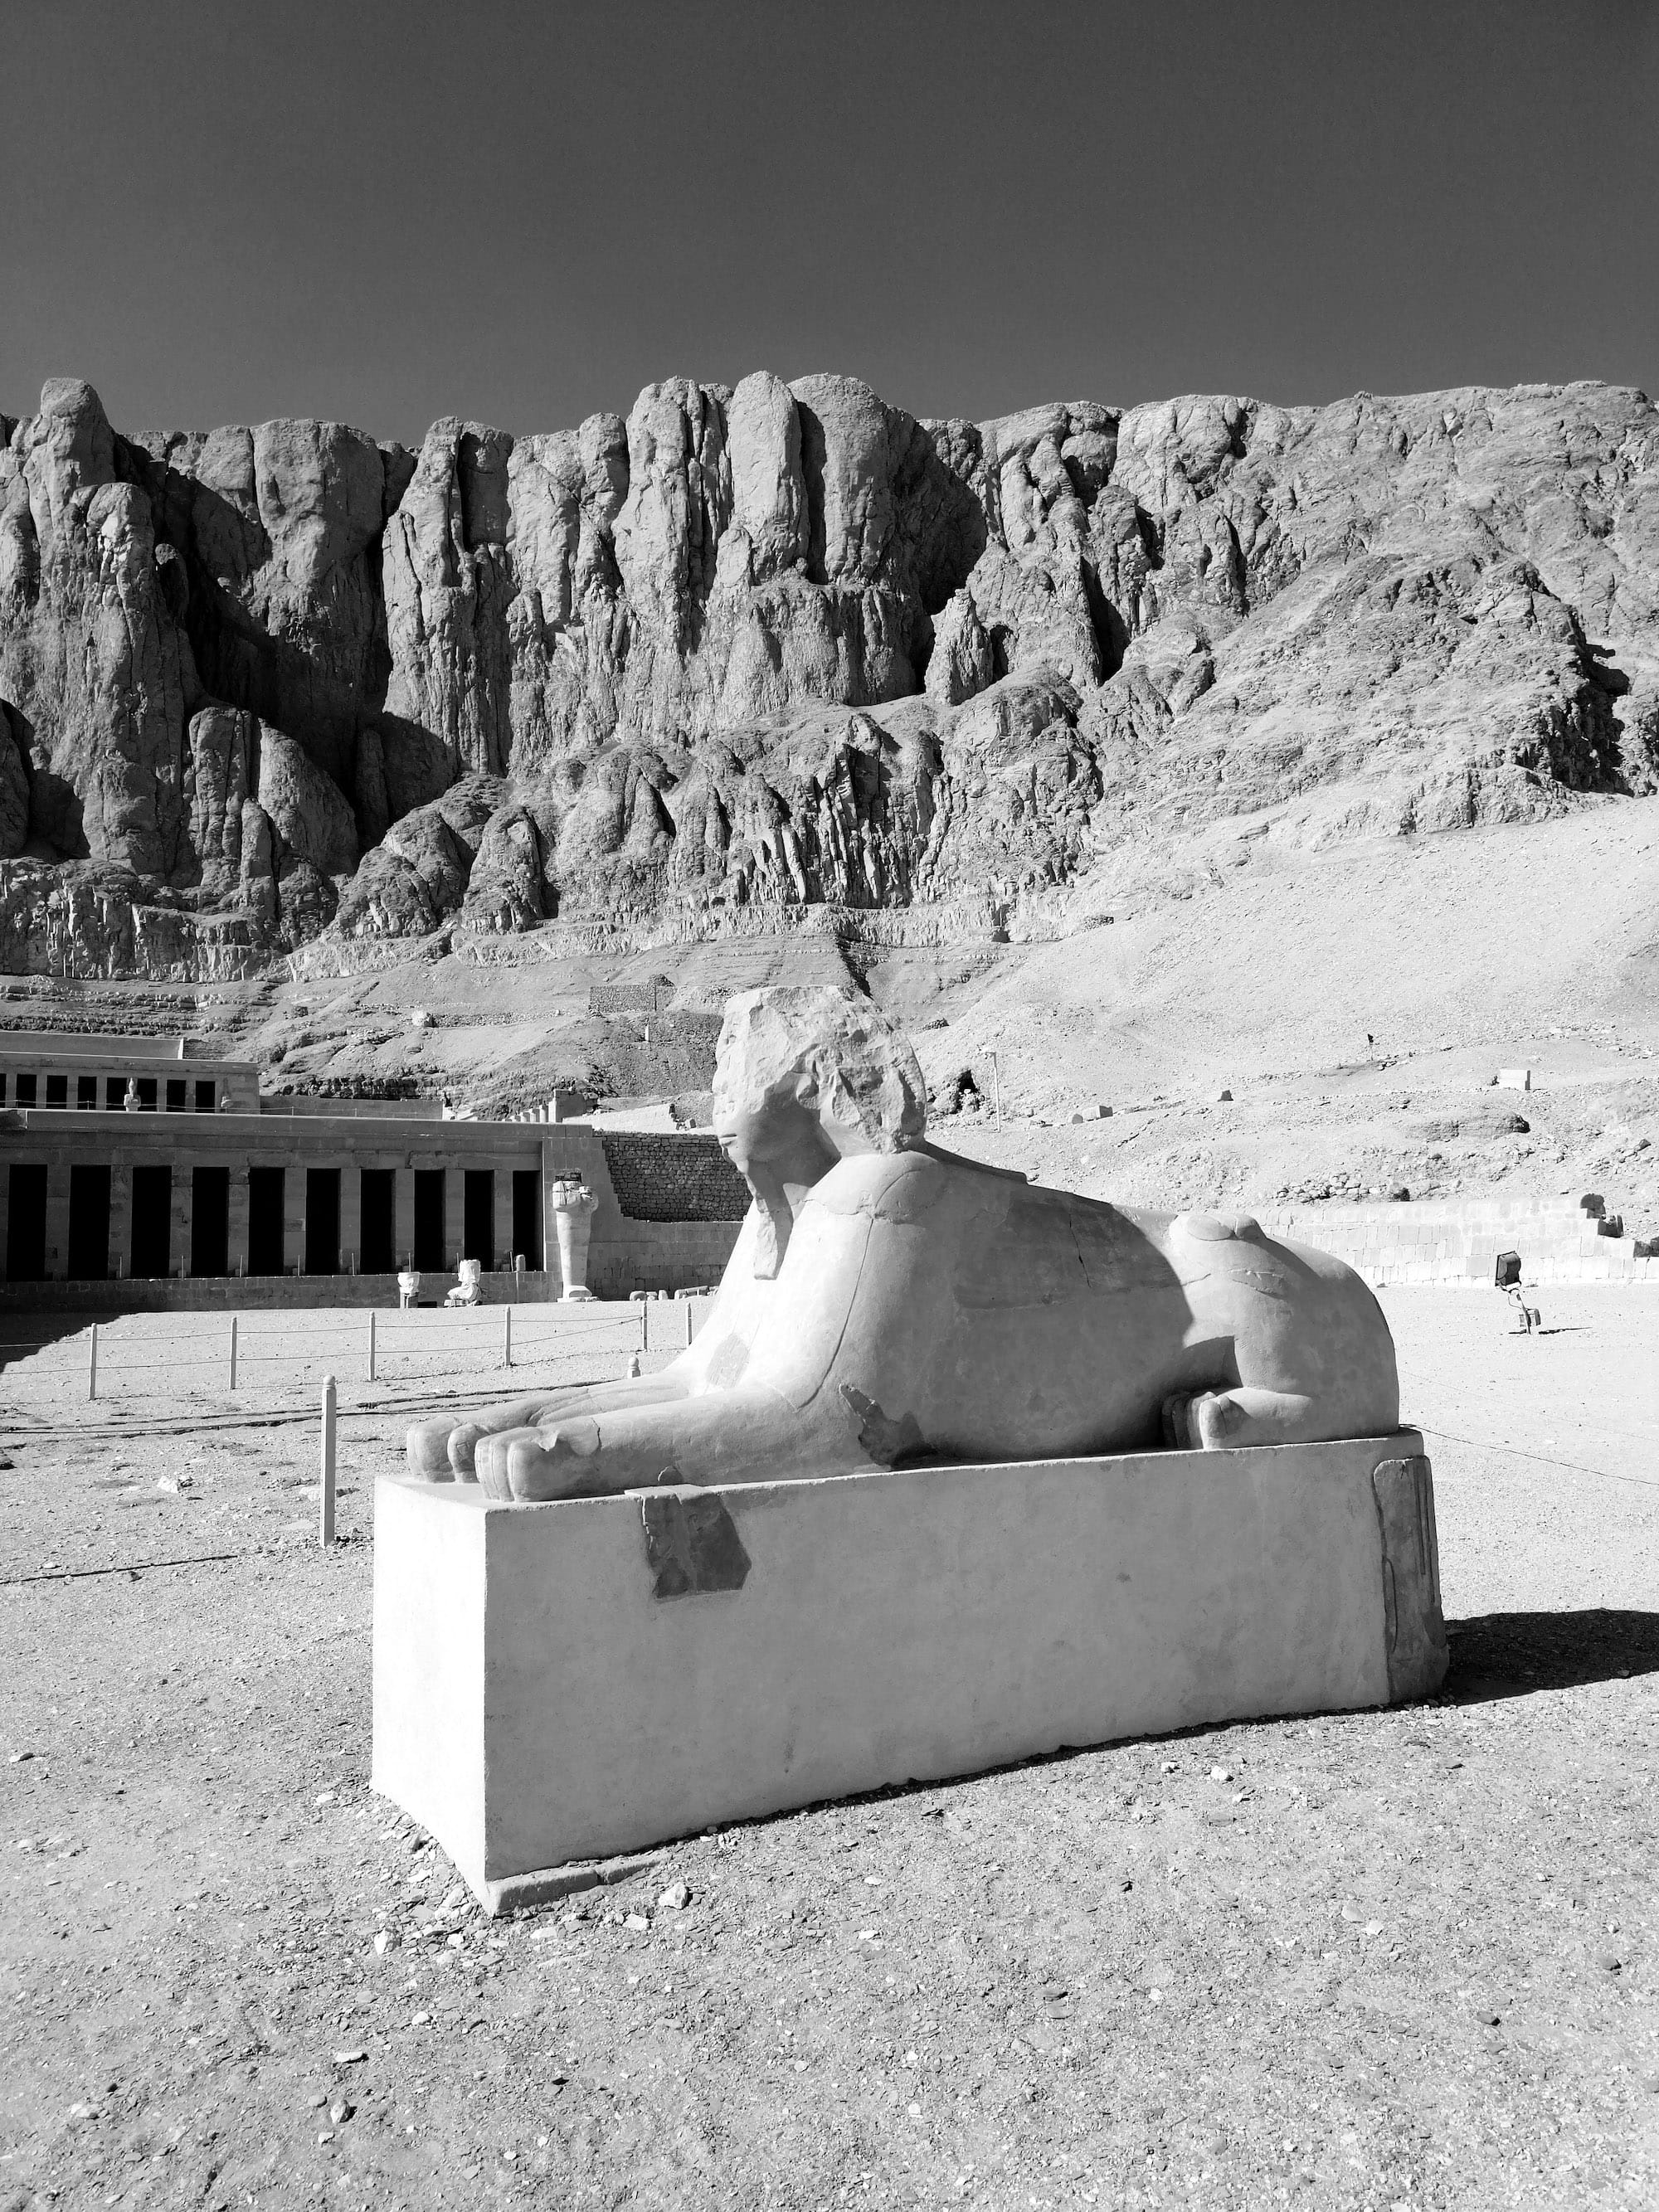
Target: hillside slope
<point>1356,999</point>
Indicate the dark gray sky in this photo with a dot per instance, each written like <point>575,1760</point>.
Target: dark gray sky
<point>388,212</point>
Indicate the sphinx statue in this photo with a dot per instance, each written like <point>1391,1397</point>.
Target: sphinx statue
<point>890,1303</point>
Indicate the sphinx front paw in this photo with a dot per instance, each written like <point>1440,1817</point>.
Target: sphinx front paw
<point>1233,1419</point>
<point>463,1451</point>
<point>1176,1418</point>
<point>426,1449</point>
<point>530,1466</point>
<point>1202,1420</point>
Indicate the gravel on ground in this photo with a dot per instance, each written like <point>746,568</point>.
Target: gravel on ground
<point>1374,1959</point>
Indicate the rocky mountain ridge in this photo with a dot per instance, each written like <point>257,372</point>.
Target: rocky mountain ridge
<point>754,649</point>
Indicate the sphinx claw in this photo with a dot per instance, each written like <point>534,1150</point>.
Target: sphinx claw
<point>463,1447</point>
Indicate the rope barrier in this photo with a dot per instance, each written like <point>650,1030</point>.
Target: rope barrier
<point>425,1318</point>
<point>209,1422</point>
<point>433,1338</point>
<point>108,1366</point>
<point>1518,1451</point>
<point>172,1336</point>
<point>390,1328</point>
<point>216,1337</point>
<point>564,1335</point>
<point>599,1313</point>
<point>134,1567</point>
<point>412,1352</point>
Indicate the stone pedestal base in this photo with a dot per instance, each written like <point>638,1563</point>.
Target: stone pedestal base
<point>586,1678</point>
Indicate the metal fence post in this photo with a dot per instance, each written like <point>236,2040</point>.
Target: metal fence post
<point>371,1344</point>
<point>232,1351</point>
<point>688,1324</point>
<point>507,1338</point>
<point>92,1363</point>
<point>326,1528</point>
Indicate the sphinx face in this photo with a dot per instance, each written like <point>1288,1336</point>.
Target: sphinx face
<point>774,1145</point>
<point>776,1141</point>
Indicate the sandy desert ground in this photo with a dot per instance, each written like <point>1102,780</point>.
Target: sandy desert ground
<point>1383,1959</point>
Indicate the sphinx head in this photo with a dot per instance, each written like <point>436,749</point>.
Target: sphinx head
<point>804,1079</point>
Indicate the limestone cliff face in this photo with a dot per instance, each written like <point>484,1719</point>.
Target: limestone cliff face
<point>782,644</point>
<point>94,668</point>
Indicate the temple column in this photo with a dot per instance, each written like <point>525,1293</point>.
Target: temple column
<point>351,1218</point>
<point>403,1216</point>
<point>454,1215</point>
<point>179,1220</point>
<point>120,1215</point>
<point>236,1225</point>
<point>294,1214</point>
<point>501,1215</point>
<point>58,1218</point>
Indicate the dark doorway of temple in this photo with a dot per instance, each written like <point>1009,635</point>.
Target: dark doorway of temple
<point>88,1245</point>
<point>429,1219</point>
<point>210,1221</point>
<point>265,1241</point>
<point>478,1216</point>
<point>322,1221</point>
<point>26,1226</point>
<point>378,1256</point>
<point>152,1220</point>
<point>527,1216</point>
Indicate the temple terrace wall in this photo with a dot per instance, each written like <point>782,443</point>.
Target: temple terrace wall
<point>169,1075</point>
<point>1458,1240</point>
<point>94,1202</point>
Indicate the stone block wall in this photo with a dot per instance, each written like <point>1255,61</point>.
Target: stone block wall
<point>1458,1241</point>
<point>658,1177</point>
<point>629,1252</point>
<point>629,998</point>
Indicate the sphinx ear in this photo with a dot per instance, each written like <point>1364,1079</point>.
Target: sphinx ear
<point>835,1108</point>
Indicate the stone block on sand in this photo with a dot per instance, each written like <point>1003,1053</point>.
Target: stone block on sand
<point>565,1681</point>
